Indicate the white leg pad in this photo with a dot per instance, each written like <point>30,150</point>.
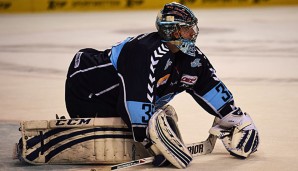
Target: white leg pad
<point>78,141</point>
<point>166,142</point>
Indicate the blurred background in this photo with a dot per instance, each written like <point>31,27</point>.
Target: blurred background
<point>15,6</point>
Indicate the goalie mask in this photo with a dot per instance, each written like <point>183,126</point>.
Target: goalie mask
<point>174,20</point>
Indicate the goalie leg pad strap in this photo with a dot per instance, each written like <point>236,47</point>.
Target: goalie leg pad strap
<point>166,142</point>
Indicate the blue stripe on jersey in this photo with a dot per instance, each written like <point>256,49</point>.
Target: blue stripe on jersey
<point>218,96</point>
<point>116,49</point>
<point>140,112</point>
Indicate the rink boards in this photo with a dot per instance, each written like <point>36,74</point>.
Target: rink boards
<point>21,6</point>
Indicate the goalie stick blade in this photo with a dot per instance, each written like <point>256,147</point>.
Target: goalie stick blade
<point>125,165</point>
<point>196,149</point>
<point>202,148</point>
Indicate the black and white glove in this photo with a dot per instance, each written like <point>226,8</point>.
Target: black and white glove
<point>238,134</point>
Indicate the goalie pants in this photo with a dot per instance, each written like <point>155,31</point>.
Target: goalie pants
<point>91,88</point>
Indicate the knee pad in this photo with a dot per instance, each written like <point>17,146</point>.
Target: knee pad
<point>164,134</point>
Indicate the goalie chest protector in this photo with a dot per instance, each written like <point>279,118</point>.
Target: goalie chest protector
<point>78,141</point>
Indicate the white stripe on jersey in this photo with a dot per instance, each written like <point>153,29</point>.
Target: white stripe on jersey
<point>106,90</point>
<point>91,68</point>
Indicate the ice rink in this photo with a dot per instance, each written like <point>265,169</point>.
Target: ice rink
<point>254,50</point>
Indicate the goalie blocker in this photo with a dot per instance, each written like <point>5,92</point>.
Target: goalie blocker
<point>77,141</point>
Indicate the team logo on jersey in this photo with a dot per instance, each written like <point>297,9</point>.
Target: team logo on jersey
<point>163,80</point>
<point>169,63</point>
<point>188,79</point>
<point>196,63</point>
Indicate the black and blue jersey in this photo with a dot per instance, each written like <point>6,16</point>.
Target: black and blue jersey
<point>136,77</point>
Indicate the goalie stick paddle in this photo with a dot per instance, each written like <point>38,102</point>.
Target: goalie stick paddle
<point>197,149</point>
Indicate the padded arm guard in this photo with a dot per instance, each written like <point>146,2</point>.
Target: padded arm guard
<point>78,141</point>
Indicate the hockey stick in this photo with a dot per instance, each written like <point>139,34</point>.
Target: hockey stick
<point>197,149</point>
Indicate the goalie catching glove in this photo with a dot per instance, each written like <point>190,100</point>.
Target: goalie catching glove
<point>165,141</point>
<point>238,134</point>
